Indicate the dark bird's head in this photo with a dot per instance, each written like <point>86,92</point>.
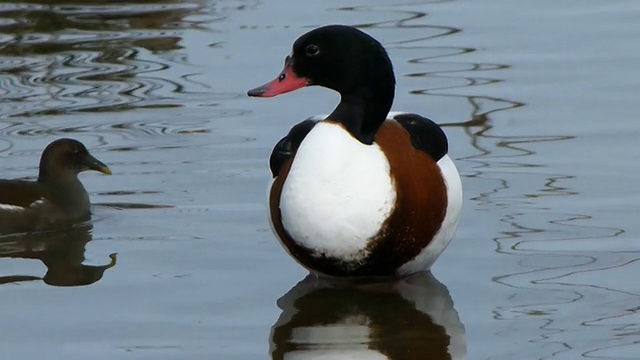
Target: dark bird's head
<point>68,157</point>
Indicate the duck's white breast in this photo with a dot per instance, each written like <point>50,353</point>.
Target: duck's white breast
<point>337,194</point>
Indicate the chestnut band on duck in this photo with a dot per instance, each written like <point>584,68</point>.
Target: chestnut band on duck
<point>362,191</point>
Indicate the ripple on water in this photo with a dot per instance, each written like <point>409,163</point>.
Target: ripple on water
<point>562,264</point>
<point>93,56</point>
<point>326,320</point>
<point>62,252</point>
<point>569,294</point>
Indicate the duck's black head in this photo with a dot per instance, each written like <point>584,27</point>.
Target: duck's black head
<point>67,157</point>
<point>344,59</point>
<point>338,57</point>
<point>347,60</point>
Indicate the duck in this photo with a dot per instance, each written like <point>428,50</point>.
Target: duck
<point>57,198</point>
<point>363,191</point>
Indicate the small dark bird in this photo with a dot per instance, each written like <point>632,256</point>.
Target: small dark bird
<point>57,199</point>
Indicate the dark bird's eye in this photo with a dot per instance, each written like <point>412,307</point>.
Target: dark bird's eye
<point>312,50</point>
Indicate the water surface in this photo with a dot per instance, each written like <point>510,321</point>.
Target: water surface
<point>539,106</point>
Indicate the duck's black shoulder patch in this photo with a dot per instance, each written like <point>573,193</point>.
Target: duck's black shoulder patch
<point>425,135</point>
<point>287,146</point>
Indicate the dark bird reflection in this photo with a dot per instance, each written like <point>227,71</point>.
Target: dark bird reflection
<point>62,252</point>
<point>411,318</point>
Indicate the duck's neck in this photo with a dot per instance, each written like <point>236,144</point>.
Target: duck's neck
<point>363,111</point>
<point>66,191</point>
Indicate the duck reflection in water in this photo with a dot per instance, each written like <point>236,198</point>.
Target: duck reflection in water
<point>410,318</point>
<point>62,252</point>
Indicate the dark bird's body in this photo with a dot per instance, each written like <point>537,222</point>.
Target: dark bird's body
<point>57,198</point>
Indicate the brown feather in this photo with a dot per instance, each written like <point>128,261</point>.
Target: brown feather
<point>420,208</point>
<point>421,200</point>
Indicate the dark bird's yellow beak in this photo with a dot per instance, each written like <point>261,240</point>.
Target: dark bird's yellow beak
<point>97,165</point>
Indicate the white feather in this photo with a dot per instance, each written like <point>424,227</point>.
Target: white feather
<point>16,208</point>
<point>337,194</point>
<point>37,203</point>
<point>12,207</point>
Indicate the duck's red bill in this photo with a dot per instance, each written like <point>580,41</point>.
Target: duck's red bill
<point>285,82</point>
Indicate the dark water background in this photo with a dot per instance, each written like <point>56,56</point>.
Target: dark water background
<point>539,102</point>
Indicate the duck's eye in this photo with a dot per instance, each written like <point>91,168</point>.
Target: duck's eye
<point>312,50</point>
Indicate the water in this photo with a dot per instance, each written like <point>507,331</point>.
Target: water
<point>538,102</point>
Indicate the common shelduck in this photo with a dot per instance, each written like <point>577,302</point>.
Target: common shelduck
<point>362,191</point>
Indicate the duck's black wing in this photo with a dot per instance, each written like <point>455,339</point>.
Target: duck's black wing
<point>287,146</point>
<point>425,134</point>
